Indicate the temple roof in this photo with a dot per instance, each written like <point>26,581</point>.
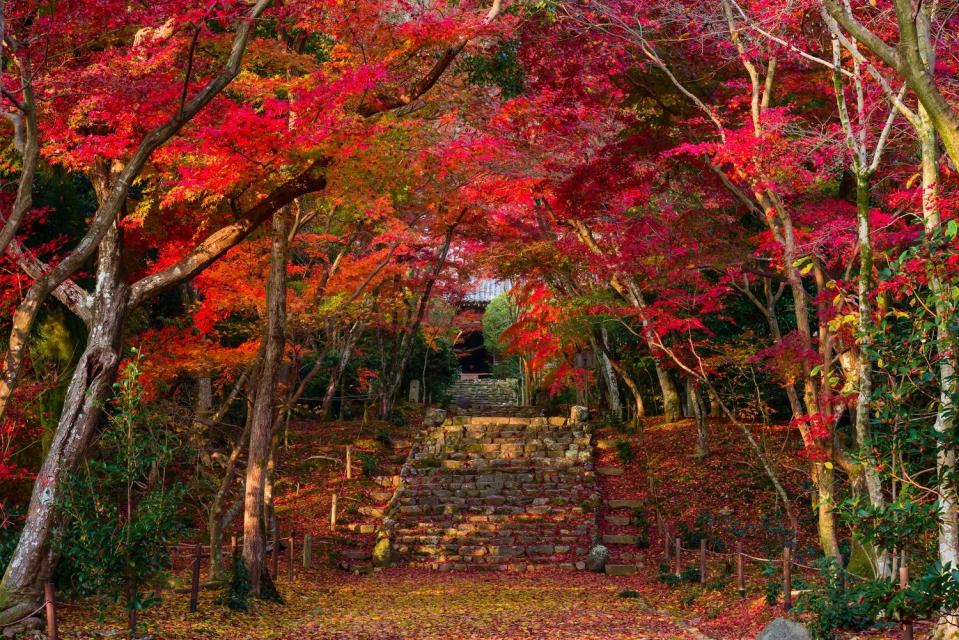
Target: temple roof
<point>483,291</point>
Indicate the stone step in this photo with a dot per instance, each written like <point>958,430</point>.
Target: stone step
<point>357,527</point>
<point>381,496</point>
<point>621,569</point>
<point>387,481</point>
<point>624,504</point>
<point>620,539</point>
<point>372,512</point>
<point>618,521</point>
<point>609,471</point>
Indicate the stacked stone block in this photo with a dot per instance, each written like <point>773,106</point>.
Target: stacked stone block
<point>485,391</point>
<point>506,493</point>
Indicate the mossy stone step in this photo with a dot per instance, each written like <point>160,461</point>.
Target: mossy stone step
<point>621,569</point>
<point>624,504</point>
<point>616,539</point>
<point>357,527</point>
<point>605,443</point>
<point>618,520</point>
<point>609,471</point>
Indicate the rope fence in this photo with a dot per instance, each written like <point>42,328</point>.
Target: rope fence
<point>673,552</point>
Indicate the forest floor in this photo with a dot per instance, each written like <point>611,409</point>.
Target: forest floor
<point>724,497</point>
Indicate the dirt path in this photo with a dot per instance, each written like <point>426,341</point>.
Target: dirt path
<point>404,604</point>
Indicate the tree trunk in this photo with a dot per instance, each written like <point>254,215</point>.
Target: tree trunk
<point>337,374</point>
<point>215,519</point>
<point>261,430</point>
<point>714,410</point>
<point>879,556</point>
<point>612,384</point>
<point>672,404</point>
<point>699,415</point>
<point>30,565</point>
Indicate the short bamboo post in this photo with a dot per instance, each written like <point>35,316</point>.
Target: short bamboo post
<point>702,561</point>
<point>275,559</point>
<point>666,545</point>
<point>307,551</point>
<point>51,604</point>
<point>349,463</point>
<point>195,579</point>
<point>333,513</point>
<point>903,583</point>
<point>289,557</point>
<point>678,568</point>
<point>787,579</point>
<point>740,579</point>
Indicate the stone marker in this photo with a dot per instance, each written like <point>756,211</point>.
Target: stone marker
<point>783,629</point>
<point>597,558</point>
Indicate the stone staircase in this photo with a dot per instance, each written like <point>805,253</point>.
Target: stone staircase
<point>485,392</point>
<point>495,492</point>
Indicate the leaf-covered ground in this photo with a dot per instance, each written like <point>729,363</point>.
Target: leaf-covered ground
<point>726,493</point>
<point>398,604</point>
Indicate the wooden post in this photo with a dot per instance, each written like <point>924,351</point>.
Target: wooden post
<point>289,557</point>
<point>349,463</point>
<point>679,569</point>
<point>333,513</point>
<point>195,579</point>
<point>275,559</point>
<point>666,545</point>
<point>702,561</point>
<point>740,579</point>
<point>51,603</point>
<point>132,622</point>
<point>233,548</point>
<point>787,579</point>
<point>903,583</point>
<point>307,551</point>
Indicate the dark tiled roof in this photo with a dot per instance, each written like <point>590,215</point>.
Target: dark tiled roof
<point>485,290</point>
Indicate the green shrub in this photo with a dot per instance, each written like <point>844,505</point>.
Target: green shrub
<point>628,593</point>
<point>837,604</point>
<point>624,451</point>
<point>11,522</point>
<point>369,464</point>
<point>774,584</point>
<point>118,510</point>
<point>690,575</point>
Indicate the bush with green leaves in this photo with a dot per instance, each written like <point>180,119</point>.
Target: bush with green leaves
<point>624,451</point>
<point>689,575</point>
<point>369,464</point>
<point>118,509</point>
<point>840,604</point>
<point>11,523</point>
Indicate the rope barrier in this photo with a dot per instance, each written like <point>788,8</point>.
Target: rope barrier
<point>29,615</point>
<point>722,554</point>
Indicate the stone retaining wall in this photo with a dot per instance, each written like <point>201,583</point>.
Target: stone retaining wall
<point>485,391</point>
<point>508,493</point>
